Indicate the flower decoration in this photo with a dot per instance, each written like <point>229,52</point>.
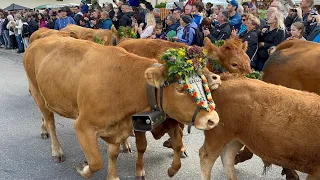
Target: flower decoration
<point>126,32</point>
<point>96,39</point>
<point>184,64</point>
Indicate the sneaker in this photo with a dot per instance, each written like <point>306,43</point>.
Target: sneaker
<point>1,46</point>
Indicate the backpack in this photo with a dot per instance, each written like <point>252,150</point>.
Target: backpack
<point>198,37</point>
<point>25,30</point>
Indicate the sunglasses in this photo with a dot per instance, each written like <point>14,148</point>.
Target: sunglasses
<point>243,19</point>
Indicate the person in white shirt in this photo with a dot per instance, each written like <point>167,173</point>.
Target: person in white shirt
<point>150,27</point>
<point>18,33</point>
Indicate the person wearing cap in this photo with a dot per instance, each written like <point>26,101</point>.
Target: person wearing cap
<point>189,30</point>
<point>64,20</point>
<point>235,17</point>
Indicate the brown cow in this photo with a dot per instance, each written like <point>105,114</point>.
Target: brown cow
<point>45,32</point>
<point>274,122</point>
<point>106,36</point>
<point>293,64</point>
<point>231,55</point>
<point>92,84</point>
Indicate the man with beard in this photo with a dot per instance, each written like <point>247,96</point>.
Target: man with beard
<point>235,17</point>
<point>52,20</point>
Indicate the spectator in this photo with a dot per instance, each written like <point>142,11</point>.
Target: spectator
<point>84,7</point>
<point>110,10</point>
<point>32,23</point>
<point>217,9</point>
<point>18,33</point>
<point>41,21</point>
<point>270,11</point>
<point>271,36</point>
<point>301,13</point>
<point>245,6</point>
<point>150,27</point>
<point>279,7</point>
<point>2,43</point>
<point>125,19</point>
<point>209,10</point>
<point>156,14</point>
<point>12,28</point>
<point>106,21</point>
<point>172,25</point>
<point>251,36</point>
<point>159,33</point>
<point>64,20</point>
<point>52,20</point>
<point>240,9</point>
<point>312,27</point>
<point>235,17</point>
<point>189,30</point>
<point>243,26</point>
<point>222,30</point>
<point>7,39</point>
<point>25,33</point>
<point>197,15</point>
<point>78,15</point>
<point>177,13</point>
<point>95,22</point>
<point>297,31</point>
<point>116,16</point>
<point>188,9</point>
<point>254,11</point>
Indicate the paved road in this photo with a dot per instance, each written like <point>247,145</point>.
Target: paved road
<point>24,155</point>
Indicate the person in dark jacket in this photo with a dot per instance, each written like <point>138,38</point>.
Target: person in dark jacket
<point>299,14</point>
<point>110,10</point>
<point>52,20</point>
<point>172,24</point>
<point>234,16</point>
<point>312,27</point>
<point>251,36</point>
<point>84,7</point>
<point>270,36</point>
<point>106,21</point>
<point>7,39</point>
<point>32,23</point>
<point>222,30</point>
<point>125,19</point>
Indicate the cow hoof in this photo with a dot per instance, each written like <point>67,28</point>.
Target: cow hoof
<point>124,150</point>
<point>140,178</point>
<point>171,172</point>
<point>183,155</point>
<point>167,143</point>
<point>45,135</point>
<point>58,159</point>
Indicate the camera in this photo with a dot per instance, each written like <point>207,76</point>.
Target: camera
<point>294,10</point>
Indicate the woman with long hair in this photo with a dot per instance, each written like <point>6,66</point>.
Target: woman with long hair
<point>41,20</point>
<point>270,36</point>
<point>150,27</point>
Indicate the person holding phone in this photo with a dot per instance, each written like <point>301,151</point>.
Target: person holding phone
<point>222,30</point>
<point>312,26</point>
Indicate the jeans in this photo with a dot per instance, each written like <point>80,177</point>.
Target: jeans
<point>2,39</point>
<point>7,40</point>
<point>25,41</point>
<point>19,41</point>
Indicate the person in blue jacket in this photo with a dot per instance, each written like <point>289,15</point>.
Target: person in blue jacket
<point>64,20</point>
<point>106,21</point>
<point>317,39</point>
<point>84,7</point>
<point>188,31</point>
<point>235,17</point>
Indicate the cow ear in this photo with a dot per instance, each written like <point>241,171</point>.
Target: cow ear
<point>156,76</point>
<point>88,37</point>
<point>245,46</point>
<point>213,50</point>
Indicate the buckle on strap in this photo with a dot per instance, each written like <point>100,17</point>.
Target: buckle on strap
<point>193,119</point>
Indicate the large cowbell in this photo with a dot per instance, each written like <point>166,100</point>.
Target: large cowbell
<point>146,121</point>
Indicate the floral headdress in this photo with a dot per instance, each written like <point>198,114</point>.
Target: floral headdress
<point>127,32</point>
<point>185,65</point>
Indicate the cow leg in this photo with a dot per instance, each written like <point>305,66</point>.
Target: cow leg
<point>141,143</point>
<point>126,147</point>
<point>176,143</point>
<point>290,174</point>
<point>89,145</point>
<point>209,153</point>
<point>227,157</point>
<point>113,152</point>
<point>48,124</point>
<point>243,155</point>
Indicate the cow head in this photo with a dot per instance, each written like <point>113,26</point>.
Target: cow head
<point>232,55</point>
<point>180,105</point>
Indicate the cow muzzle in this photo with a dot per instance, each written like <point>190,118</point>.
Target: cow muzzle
<point>207,121</point>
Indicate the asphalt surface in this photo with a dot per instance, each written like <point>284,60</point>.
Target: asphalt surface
<point>24,155</point>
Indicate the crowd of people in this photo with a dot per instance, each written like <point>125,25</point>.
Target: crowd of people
<point>188,24</point>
